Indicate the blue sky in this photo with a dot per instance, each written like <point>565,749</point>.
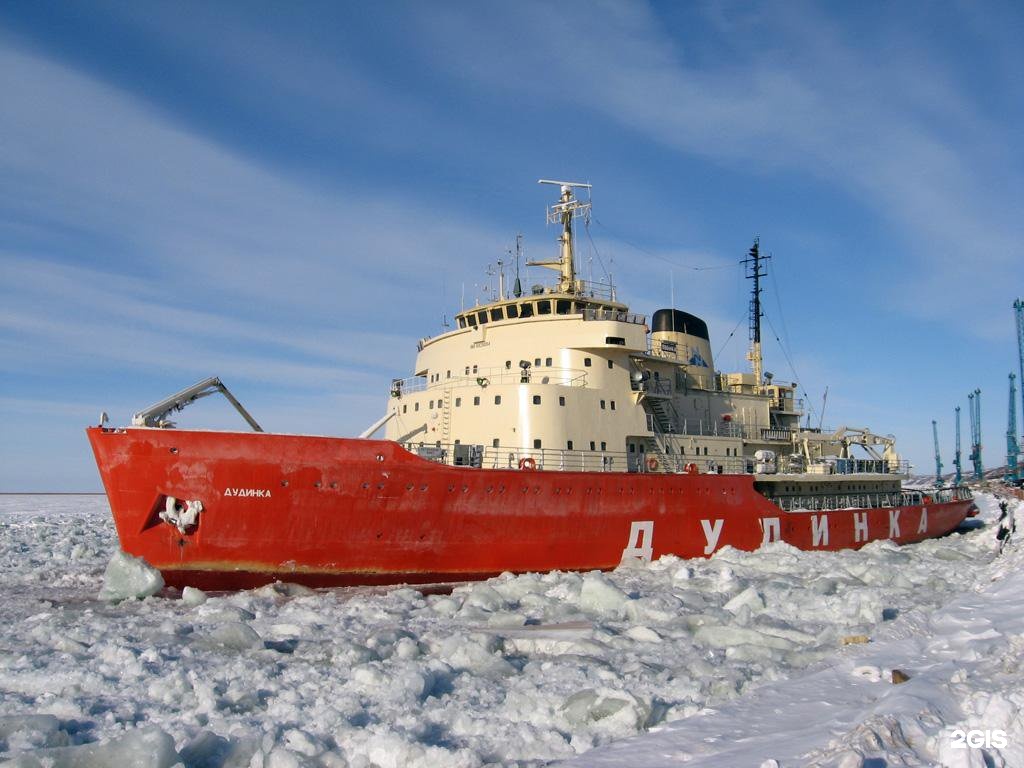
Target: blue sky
<point>289,195</point>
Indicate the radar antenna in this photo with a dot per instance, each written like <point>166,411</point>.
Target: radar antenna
<point>563,212</point>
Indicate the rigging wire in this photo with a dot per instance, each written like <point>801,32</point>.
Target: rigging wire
<point>784,346</point>
<point>726,342</point>
<point>600,261</point>
<point>778,303</point>
<point>792,368</point>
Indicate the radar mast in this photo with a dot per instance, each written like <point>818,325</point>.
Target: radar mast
<point>563,212</point>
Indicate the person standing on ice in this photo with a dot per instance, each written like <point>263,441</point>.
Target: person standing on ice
<point>1007,525</point>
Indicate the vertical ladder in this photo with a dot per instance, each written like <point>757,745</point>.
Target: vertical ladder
<point>446,417</point>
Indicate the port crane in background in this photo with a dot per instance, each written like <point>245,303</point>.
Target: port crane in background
<point>938,458</point>
<point>1013,473</point>
<point>1018,309</point>
<point>959,478</point>
<point>974,411</point>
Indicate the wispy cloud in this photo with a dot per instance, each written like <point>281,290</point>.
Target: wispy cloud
<point>788,91</point>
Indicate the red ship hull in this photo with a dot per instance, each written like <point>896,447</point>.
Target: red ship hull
<point>335,511</point>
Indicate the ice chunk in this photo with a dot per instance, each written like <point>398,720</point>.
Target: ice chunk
<point>724,637</point>
<point>236,635</point>
<point>479,653</point>
<point>192,597</point>
<point>284,589</point>
<point>643,634</point>
<point>208,750</point>
<point>600,596</point>
<point>129,577</point>
<point>615,711</point>
<point>143,748</point>
<point>749,598</point>
<point>23,732</point>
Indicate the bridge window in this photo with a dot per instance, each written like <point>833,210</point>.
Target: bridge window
<point>497,314</point>
<point>563,306</point>
<point>471,319</point>
<point>482,316</point>
<point>512,311</point>
<point>462,322</point>
<point>544,307</point>
<point>526,310</point>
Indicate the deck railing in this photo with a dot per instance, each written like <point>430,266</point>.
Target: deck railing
<point>906,498</point>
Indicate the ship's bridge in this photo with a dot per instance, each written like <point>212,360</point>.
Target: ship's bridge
<point>545,303</point>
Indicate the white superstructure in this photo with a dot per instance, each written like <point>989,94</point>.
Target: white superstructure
<point>567,378</point>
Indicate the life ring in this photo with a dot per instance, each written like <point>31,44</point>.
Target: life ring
<point>652,464</point>
<point>691,469</point>
<point>926,500</point>
<point>483,381</point>
<point>527,463</point>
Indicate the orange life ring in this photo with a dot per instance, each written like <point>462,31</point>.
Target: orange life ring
<point>527,463</point>
<point>691,469</point>
<point>926,500</point>
<point>652,464</point>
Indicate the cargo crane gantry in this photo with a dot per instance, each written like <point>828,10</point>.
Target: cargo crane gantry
<point>974,408</point>
<point>1018,309</point>
<point>959,477</point>
<point>938,458</point>
<point>1013,474</point>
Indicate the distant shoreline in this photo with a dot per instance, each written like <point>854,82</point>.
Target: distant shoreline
<point>52,493</point>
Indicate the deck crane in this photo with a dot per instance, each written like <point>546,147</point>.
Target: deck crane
<point>959,478</point>
<point>1013,473</point>
<point>938,458</point>
<point>974,407</point>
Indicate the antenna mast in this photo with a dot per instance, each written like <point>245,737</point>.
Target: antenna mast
<point>517,289</point>
<point>756,268</point>
<point>563,212</point>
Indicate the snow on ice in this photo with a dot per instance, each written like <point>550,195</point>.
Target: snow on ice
<point>735,660</point>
